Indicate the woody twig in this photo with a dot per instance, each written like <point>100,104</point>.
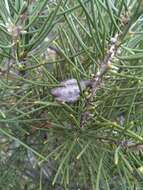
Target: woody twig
<point>104,66</point>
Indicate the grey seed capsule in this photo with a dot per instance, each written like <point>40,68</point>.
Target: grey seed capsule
<point>69,82</point>
<point>69,99</point>
<point>69,90</point>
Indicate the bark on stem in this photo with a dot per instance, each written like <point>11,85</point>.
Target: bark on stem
<point>105,65</point>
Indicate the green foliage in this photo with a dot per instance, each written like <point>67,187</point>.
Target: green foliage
<point>42,143</point>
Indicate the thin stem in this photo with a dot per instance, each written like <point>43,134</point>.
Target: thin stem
<point>105,65</point>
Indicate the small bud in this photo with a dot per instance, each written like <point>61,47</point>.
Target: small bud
<point>14,30</point>
<point>109,66</point>
<point>140,169</point>
<point>113,68</point>
<point>139,82</point>
<point>113,40</point>
<point>21,67</point>
<point>130,33</point>
<point>86,93</point>
<point>23,32</point>
<point>131,123</point>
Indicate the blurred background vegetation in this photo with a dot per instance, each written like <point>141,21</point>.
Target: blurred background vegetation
<point>42,146</point>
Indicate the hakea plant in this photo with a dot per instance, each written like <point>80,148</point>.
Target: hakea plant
<point>71,94</point>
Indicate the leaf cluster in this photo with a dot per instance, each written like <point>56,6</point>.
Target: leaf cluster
<point>44,42</point>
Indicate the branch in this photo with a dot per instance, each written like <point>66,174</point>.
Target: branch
<point>105,65</point>
<point>125,144</point>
